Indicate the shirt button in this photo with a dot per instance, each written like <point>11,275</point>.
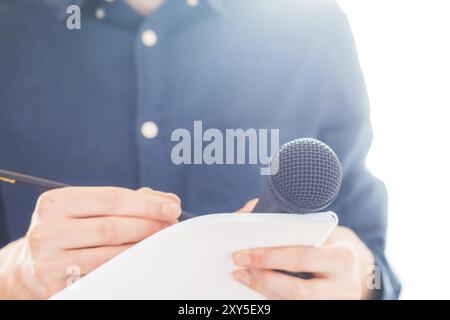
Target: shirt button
<point>100,13</point>
<point>149,130</point>
<point>149,38</point>
<point>192,3</point>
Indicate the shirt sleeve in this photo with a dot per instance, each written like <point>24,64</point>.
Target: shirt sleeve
<point>362,201</point>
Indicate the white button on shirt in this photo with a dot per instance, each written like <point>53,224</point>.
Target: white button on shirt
<point>149,38</point>
<point>192,3</point>
<point>149,130</point>
<point>100,13</point>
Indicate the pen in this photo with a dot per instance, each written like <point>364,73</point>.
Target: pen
<point>15,177</point>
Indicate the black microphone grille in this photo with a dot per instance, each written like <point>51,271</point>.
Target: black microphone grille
<point>306,176</point>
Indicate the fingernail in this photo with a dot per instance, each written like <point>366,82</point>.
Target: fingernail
<point>171,210</point>
<point>243,276</point>
<point>242,259</point>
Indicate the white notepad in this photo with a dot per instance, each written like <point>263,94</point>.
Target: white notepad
<point>192,259</point>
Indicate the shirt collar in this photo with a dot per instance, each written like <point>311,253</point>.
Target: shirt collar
<point>61,6</point>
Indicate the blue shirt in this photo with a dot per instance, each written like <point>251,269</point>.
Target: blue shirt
<point>72,102</point>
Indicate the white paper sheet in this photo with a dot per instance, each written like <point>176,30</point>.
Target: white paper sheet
<point>192,259</point>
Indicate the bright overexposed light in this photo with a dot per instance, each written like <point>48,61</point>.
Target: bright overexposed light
<point>404,49</point>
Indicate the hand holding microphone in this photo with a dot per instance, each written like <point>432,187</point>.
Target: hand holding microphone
<point>306,178</point>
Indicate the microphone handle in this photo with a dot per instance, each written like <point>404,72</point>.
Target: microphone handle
<point>185,216</point>
<point>267,204</point>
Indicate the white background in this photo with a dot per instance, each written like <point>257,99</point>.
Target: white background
<point>404,49</point>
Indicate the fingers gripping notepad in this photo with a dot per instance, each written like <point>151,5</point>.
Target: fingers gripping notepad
<point>192,259</point>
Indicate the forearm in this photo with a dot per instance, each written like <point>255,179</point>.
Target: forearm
<point>11,285</point>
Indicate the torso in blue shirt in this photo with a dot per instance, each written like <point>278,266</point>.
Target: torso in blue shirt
<point>72,102</point>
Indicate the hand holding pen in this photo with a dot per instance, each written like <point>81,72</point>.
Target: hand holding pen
<point>76,229</point>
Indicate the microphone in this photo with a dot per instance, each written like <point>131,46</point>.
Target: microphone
<point>305,176</point>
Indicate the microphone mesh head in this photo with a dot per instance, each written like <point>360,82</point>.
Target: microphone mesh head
<point>306,176</point>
